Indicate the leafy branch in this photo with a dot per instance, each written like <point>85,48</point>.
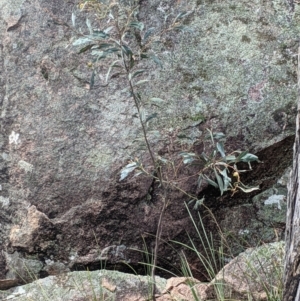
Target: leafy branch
<point>223,166</point>
<point>126,44</point>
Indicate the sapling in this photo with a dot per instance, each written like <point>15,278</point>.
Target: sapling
<point>126,43</point>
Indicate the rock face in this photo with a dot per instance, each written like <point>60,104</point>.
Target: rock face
<point>261,220</point>
<point>256,273</point>
<point>36,230</point>
<point>81,286</point>
<point>62,145</point>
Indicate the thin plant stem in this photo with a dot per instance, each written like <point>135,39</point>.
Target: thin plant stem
<point>157,242</point>
<point>157,172</point>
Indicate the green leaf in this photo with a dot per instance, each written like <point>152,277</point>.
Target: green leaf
<point>136,73</point>
<point>113,64</point>
<point>81,41</point>
<point>183,28</point>
<point>126,50</point>
<point>139,139</point>
<point>166,17</point>
<point>163,160</point>
<point>156,60</point>
<point>92,80</point>
<point>220,181</point>
<point>89,25</point>
<point>211,182</point>
<point>148,33</point>
<point>204,157</point>
<point>137,25</point>
<point>156,100</point>
<point>249,158</point>
<point>220,148</point>
<point>181,16</point>
<point>97,52</point>
<point>154,115</point>
<point>127,170</point>
<point>200,180</point>
<point>188,157</point>
<point>132,62</point>
<point>230,158</point>
<point>221,163</point>
<point>111,16</point>
<point>183,136</point>
<point>101,55</point>
<point>143,81</point>
<point>241,154</point>
<point>142,115</point>
<point>112,50</point>
<point>198,203</point>
<point>226,179</point>
<point>86,48</point>
<point>144,56</point>
<point>73,19</point>
<point>100,34</point>
<point>108,29</point>
<point>219,135</point>
<point>104,45</point>
<point>183,154</point>
<point>138,97</point>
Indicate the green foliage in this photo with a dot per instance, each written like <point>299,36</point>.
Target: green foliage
<point>217,168</point>
<point>220,169</point>
<point>125,45</point>
<point>128,169</point>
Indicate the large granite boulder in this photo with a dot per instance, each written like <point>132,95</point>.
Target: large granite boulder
<point>62,145</point>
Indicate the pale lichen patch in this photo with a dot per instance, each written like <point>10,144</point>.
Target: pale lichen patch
<point>25,166</point>
<point>14,138</point>
<point>4,202</point>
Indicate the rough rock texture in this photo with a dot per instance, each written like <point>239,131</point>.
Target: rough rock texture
<point>84,286</point>
<point>22,270</point>
<point>256,273</point>
<point>247,220</point>
<point>35,232</point>
<point>237,68</point>
<point>260,221</point>
<point>62,145</point>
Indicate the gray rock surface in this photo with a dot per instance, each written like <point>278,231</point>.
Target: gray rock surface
<point>63,145</point>
<point>81,286</point>
<point>260,221</point>
<point>257,273</point>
